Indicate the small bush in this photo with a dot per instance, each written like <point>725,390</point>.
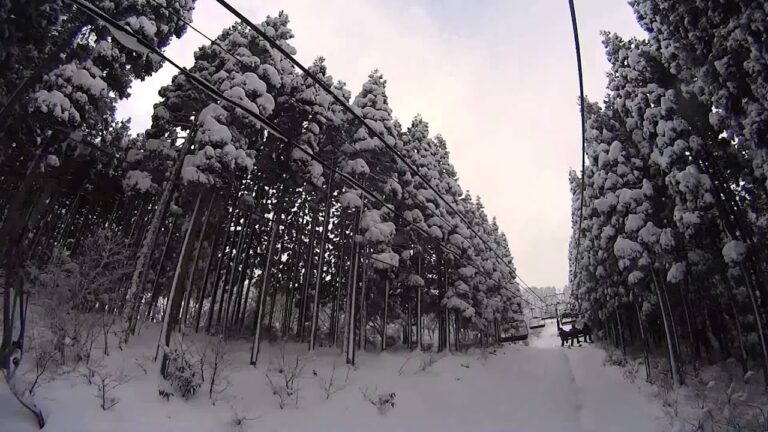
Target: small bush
<point>182,372</point>
<point>383,401</point>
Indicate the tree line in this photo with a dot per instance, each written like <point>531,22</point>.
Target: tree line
<point>668,246</point>
<point>210,222</point>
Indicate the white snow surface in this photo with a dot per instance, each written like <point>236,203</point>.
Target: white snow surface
<point>540,387</point>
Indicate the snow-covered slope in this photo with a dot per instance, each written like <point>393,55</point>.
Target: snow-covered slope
<point>540,387</point>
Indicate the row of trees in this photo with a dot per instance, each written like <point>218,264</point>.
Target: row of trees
<point>231,229</point>
<point>670,251</point>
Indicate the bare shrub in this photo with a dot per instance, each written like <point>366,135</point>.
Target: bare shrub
<point>383,401</point>
<point>239,420</point>
<point>401,371</point>
<point>106,382</point>
<point>78,296</point>
<point>427,361</point>
<point>44,357</point>
<point>282,378</point>
<point>215,359</point>
<point>331,385</point>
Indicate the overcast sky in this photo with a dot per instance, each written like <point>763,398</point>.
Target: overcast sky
<point>496,77</point>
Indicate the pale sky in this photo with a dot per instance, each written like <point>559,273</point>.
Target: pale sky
<point>497,78</point>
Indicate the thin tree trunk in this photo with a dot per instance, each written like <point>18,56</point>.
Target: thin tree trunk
<point>232,281</point>
<point>139,277</point>
<point>363,312</point>
<point>239,281</point>
<point>621,331</point>
<point>264,283</point>
<point>675,333</point>
<point>337,294</point>
<point>320,262</point>
<point>384,318</point>
<point>418,311</point>
<point>155,291</point>
<point>204,287</point>
<point>217,279</point>
<point>758,323</point>
<point>645,342</point>
<point>739,335</point>
<point>350,343</point>
<point>307,279</point>
<point>193,270</point>
<point>695,349</point>
<point>248,265</point>
<point>670,343</point>
<point>175,296</point>
<point>273,297</point>
<point>290,288</point>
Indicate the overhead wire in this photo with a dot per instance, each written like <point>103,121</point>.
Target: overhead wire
<point>248,66</point>
<point>344,104</point>
<point>137,42</point>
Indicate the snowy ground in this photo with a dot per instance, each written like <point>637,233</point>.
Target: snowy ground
<point>540,387</point>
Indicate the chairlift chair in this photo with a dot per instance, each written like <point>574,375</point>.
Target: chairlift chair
<point>567,318</point>
<point>536,323</point>
<point>513,331</point>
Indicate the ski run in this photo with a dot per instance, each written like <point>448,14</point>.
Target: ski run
<point>536,387</point>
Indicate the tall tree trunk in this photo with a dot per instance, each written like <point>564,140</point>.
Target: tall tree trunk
<point>670,342</point>
<point>621,331</point>
<point>232,284</point>
<point>744,357</point>
<point>245,273</point>
<point>407,326</point>
<point>155,288</point>
<point>177,291</point>
<point>217,280</point>
<point>337,293</point>
<point>418,310</point>
<point>239,280</point>
<point>139,277</point>
<point>384,318</point>
<point>307,279</point>
<point>675,333</point>
<point>320,262</point>
<point>363,307</point>
<point>291,288</point>
<point>193,268</point>
<point>273,297</point>
<point>204,287</point>
<point>264,284</point>
<point>758,323</point>
<point>695,348</point>
<point>352,289</point>
<point>645,342</point>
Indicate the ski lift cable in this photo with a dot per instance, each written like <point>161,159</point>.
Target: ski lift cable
<point>252,69</point>
<point>223,49</point>
<point>127,37</point>
<point>365,124</point>
<point>583,135</point>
